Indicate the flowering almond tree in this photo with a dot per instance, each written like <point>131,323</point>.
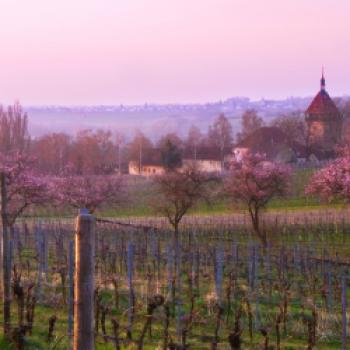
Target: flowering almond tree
<point>254,181</point>
<point>23,188</point>
<point>20,188</point>
<point>89,191</point>
<point>333,181</point>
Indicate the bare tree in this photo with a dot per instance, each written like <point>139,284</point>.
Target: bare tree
<point>14,142</point>
<point>178,192</point>
<point>294,126</point>
<point>14,136</point>
<point>119,141</point>
<point>193,141</point>
<point>250,123</point>
<point>93,152</point>
<point>173,138</point>
<point>220,135</point>
<point>52,152</point>
<point>139,148</point>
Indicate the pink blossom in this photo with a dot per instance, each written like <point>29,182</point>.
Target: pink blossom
<point>333,181</point>
<point>24,187</point>
<point>254,179</point>
<point>254,182</point>
<point>88,191</point>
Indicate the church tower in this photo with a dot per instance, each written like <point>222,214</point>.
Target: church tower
<point>324,123</point>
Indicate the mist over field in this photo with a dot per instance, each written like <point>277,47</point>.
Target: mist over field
<point>154,120</point>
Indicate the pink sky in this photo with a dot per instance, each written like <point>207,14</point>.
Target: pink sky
<point>136,51</point>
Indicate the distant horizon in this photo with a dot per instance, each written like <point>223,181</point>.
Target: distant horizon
<point>170,103</point>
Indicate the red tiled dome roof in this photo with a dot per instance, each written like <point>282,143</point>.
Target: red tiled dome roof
<point>322,104</point>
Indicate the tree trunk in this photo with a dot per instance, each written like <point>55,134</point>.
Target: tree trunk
<point>6,267</point>
<point>255,217</point>
<point>71,293</point>
<point>176,245</point>
<point>140,159</point>
<point>222,150</point>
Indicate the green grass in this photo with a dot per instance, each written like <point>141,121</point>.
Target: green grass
<point>296,199</point>
<point>199,338</point>
<point>220,207</point>
<point>141,196</point>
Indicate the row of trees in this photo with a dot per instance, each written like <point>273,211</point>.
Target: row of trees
<point>101,152</point>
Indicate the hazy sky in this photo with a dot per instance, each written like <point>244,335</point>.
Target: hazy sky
<point>136,51</point>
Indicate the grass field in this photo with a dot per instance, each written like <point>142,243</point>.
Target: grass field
<point>142,196</point>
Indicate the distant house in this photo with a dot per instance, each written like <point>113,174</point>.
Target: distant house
<point>272,142</point>
<point>204,165</point>
<point>148,165</point>
<point>206,160</point>
<point>146,169</point>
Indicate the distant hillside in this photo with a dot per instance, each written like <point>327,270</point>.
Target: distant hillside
<point>153,119</point>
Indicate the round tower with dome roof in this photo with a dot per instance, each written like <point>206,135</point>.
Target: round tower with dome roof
<point>324,123</point>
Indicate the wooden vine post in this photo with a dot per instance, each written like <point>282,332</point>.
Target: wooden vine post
<point>344,319</point>
<point>84,281</point>
<point>71,294</point>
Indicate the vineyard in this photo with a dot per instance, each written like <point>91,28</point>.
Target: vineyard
<point>217,289</point>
